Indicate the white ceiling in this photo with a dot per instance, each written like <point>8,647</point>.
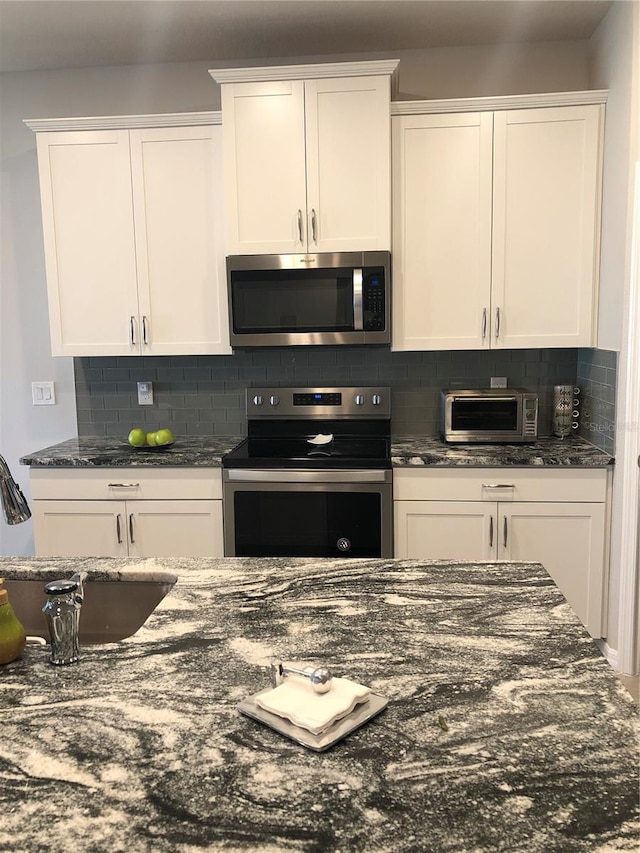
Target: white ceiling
<point>53,34</point>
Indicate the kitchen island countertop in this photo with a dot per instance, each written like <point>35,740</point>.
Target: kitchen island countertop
<point>505,730</point>
<point>406,451</point>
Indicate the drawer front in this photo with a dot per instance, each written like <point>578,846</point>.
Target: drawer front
<point>500,484</point>
<point>126,483</point>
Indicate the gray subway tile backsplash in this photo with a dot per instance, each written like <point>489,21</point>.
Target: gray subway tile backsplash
<point>204,395</point>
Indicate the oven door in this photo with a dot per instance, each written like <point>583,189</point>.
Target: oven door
<point>269,513</point>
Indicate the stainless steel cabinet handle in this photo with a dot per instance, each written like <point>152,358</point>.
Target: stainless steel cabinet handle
<point>491,532</point>
<point>118,530</point>
<point>131,539</point>
<point>123,485</point>
<point>504,532</point>
<point>484,323</point>
<point>299,225</point>
<point>498,486</point>
<point>314,226</point>
<point>144,330</point>
<point>132,330</point>
<point>497,323</point>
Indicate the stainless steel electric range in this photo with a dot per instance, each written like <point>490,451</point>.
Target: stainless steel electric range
<point>313,476</point>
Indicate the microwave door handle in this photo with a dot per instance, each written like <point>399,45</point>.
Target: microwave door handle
<point>358,317</point>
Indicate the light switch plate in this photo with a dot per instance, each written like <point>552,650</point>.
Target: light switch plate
<point>145,393</point>
<point>43,393</point>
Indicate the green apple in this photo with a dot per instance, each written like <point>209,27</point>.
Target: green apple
<point>151,439</point>
<point>137,438</point>
<point>164,436</point>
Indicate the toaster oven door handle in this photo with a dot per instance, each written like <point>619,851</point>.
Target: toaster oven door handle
<point>358,317</point>
<point>505,399</point>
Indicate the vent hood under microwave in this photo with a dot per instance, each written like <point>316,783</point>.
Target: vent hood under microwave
<point>298,300</point>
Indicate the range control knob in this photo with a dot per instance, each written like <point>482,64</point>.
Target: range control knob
<point>274,400</point>
<point>359,399</point>
<point>258,400</point>
<point>376,399</point>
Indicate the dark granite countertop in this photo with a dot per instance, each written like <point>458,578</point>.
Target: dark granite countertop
<point>506,730</point>
<point>88,452</point>
<point>548,451</point>
<point>207,451</point>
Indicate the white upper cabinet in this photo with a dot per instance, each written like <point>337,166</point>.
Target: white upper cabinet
<point>307,162</point>
<point>132,222</point>
<point>441,231</point>
<point>496,227</point>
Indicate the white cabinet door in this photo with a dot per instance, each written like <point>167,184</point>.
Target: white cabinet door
<point>177,187</point>
<point>568,539</point>
<point>442,231</point>
<point>80,528</point>
<point>447,530</point>
<point>348,149</point>
<point>495,236</point>
<point>307,165</point>
<point>87,210</point>
<point>264,167</point>
<point>545,226</point>
<point>175,528</point>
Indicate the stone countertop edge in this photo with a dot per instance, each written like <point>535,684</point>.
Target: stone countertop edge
<point>406,451</point>
<point>505,728</point>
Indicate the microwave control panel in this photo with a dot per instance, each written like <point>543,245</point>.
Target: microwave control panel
<point>373,301</point>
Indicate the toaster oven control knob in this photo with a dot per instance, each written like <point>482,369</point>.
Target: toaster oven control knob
<point>343,544</point>
<point>376,399</point>
<point>274,400</point>
<point>258,400</point>
<point>359,399</point>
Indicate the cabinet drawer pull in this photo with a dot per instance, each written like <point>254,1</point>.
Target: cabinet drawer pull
<point>314,226</point>
<point>299,226</point>
<point>123,485</point>
<point>504,532</point>
<point>118,529</point>
<point>484,323</point>
<point>132,330</point>
<point>491,532</point>
<point>144,330</point>
<point>131,539</point>
<point>498,485</point>
<point>497,323</point>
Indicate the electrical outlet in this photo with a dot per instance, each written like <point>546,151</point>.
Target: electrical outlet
<point>498,381</point>
<point>43,393</point>
<point>145,393</point>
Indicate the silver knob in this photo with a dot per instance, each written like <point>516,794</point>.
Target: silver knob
<point>376,399</point>
<point>274,400</point>
<point>320,678</point>
<point>258,400</point>
<point>359,399</point>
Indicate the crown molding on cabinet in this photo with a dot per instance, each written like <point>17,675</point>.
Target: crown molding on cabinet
<point>322,70</point>
<point>125,122</point>
<point>499,102</point>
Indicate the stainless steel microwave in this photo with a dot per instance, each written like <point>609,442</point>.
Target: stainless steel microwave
<point>496,415</point>
<point>297,300</point>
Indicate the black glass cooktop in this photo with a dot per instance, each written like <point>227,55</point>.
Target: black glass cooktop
<point>321,444</point>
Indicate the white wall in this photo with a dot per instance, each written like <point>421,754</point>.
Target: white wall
<point>614,59</point>
<point>177,87</point>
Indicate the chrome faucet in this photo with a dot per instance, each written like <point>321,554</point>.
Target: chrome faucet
<point>62,615</point>
<point>14,505</point>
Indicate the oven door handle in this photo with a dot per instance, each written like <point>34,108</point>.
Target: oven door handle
<point>358,315</point>
<point>291,475</point>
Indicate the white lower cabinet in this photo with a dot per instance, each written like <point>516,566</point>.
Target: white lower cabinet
<point>127,512</point>
<point>557,518</point>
